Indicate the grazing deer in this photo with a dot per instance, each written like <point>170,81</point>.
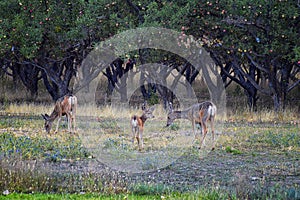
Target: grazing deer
<point>65,105</point>
<point>137,125</point>
<point>198,113</point>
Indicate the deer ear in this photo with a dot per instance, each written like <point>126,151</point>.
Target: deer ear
<point>46,117</point>
<point>144,105</point>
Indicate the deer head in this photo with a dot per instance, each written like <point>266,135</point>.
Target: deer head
<point>48,123</point>
<point>148,113</point>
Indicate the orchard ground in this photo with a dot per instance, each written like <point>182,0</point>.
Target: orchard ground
<point>256,156</point>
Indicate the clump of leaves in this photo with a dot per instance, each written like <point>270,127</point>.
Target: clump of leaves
<point>174,127</point>
<point>232,150</point>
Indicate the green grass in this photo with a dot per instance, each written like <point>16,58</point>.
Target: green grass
<point>229,149</point>
<point>205,194</point>
<point>261,135</point>
<point>53,149</point>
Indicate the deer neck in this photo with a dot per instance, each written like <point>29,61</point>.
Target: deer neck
<point>143,118</point>
<point>181,114</point>
<point>53,115</point>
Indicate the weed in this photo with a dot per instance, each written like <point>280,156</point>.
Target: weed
<point>111,143</point>
<point>150,189</point>
<point>229,149</point>
<point>278,139</point>
<point>174,127</point>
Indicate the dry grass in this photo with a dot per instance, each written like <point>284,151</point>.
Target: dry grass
<point>290,115</point>
<point>27,108</point>
<point>108,111</point>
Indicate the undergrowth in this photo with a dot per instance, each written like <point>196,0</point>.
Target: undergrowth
<point>55,149</point>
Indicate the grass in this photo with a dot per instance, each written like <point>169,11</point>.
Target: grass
<point>205,194</point>
<point>254,158</point>
<point>290,115</point>
<point>26,147</point>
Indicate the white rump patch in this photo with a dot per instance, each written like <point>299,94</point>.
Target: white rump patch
<point>72,100</point>
<point>212,110</point>
<point>134,123</point>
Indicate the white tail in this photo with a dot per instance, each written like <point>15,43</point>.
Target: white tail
<point>137,125</point>
<point>198,113</point>
<point>65,105</point>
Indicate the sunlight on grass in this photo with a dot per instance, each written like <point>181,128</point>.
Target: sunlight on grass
<point>28,108</point>
<point>109,111</point>
<point>122,111</point>
<point>287,116</point>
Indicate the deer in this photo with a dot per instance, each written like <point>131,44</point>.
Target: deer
<point>137,125</point>
<point>199,113</point>
<point>65,105</point>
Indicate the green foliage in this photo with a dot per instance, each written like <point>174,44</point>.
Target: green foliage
<point>149,189</point>
<point>66,22</point>
<point>278,139</point>
<point>29,27</point>
<point>229,149</point>
<point>256,26</point>
<point>9,122</point>
<point>154,99</point>
<point>174,127</point>
<point>35,148</point>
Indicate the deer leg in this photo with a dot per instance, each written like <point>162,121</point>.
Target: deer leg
<point>212,132</point>
<point>140,139</point>
<point>204,131</point>
<point>73,115</point>
<point>74,123</point>
<point>193,125</point>
<point>57,125</point>
<point>133,134</point>
<point>69,122</point>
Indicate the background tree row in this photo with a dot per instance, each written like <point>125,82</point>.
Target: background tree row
<point>254,44</point>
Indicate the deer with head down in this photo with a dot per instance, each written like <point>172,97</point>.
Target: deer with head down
<point>199,113</point>
<point>65,105</point>
<point>137,125</point>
